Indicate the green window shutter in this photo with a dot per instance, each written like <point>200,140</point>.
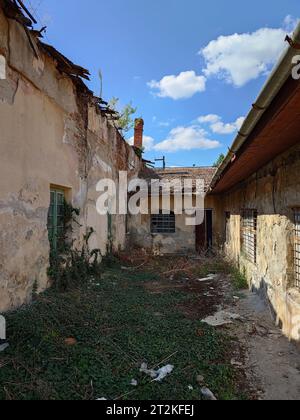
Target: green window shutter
<point>56,218</point>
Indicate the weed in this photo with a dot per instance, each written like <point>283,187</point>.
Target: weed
<point>69,266</point>
<point>117,324</point>
<point>239,279</point>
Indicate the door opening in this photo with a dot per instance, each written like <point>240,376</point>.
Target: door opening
<point>204,233</point>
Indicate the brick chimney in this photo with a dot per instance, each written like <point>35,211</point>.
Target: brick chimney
<point>138,133</point>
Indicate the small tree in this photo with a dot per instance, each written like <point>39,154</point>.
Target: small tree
<point>219,161</point>
<point>125,122</point>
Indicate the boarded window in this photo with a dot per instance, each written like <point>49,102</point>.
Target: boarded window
<point>249,234</point>
<point>297,247</point>
<point>163,223</point>
<point>56,217</point>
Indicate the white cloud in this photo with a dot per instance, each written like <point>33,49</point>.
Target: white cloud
<point>164,124</point>
<point>148,143</point>
<point>209,119</point>
<point>240,58</point>
<point>183,86</point>
<point>186,138</point>
<point>217,126</point>
<point>290,23</point>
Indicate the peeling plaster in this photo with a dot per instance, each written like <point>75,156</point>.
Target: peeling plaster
<point>97,161</point>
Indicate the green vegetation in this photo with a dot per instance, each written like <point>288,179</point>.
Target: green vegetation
<point>219,161</point>
<point>71,266</point>
<point>239,279</point>
<point>125,122</point>
<point>89,342</point>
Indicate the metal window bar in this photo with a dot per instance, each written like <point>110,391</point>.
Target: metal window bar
<point>56,218</point>
<point>163,223</point>
<point>249,234</point>
<point>297,247</point>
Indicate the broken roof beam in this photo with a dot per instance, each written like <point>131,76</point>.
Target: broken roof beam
<point>27,11</point>
<point>13,11</point>
<point>64,64</point>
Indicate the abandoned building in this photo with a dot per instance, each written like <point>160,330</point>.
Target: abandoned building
<point>252,202</point>
<point>168,234</point>
<point>257,194</point>
<point>58,140</point>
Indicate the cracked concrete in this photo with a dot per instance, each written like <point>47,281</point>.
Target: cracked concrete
<point>272,362</point>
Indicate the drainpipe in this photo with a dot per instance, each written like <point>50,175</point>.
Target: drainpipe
<point>278,77</point>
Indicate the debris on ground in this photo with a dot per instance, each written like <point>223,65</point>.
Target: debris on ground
<point>157,375</point>
<point>150,372</point>
<point>102,399</point>
<point>134,382</point>
<point>71,341</point>
<point>164,372</point>
<point>210,277</point>
<point>200,379</point>
<point>221,318</point>
<point>191,388</point>
<point>237,364</point>
<point>208,395</point>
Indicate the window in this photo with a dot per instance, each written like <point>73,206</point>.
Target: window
<point>227,226</point>
<point>56,217</point>
<point>297,247</point>
<point>249,234</point>
<point>163,223</point>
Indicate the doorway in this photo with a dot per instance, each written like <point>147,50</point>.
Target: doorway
<point>204,233</point>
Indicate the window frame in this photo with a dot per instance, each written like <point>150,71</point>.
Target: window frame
<point>249,221</point>
<point>168,222</point>
<point>55,221</point>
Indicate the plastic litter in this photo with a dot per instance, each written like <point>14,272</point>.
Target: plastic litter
<point>157,375</point>
<point>210,277</point>
<point>221,318</point>
<point>208,395</point>
<point>134,382</point>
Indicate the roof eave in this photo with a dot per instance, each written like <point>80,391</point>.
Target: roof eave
<point>275,82</point>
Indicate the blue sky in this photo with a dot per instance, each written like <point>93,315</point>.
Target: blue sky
<point>192,68</point>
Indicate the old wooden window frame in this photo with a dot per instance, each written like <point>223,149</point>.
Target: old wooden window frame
<point>297,246</point>
<point>56,217</point>
<point>163,223</point>
<point>249,234</point>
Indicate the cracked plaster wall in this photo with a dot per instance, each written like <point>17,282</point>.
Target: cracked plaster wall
<point>273,191</point>
<point>49,135</point>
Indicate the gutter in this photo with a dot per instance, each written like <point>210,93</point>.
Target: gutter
<point>275,82</point>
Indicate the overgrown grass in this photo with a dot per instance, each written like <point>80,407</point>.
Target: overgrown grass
<point>239,279</point>
<point>117,325</point>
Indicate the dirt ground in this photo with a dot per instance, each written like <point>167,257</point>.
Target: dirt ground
<point>90,342</point>
<point>267,360</point>
<point>272,363</point>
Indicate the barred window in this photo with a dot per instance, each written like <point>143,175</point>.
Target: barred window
<point>56,217</point>
<point>249,234</point>
<point>163,223</point>
<point>297,247</point>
